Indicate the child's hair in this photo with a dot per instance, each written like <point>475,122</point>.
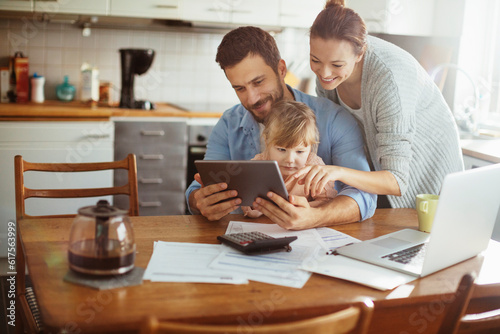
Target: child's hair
<point>290,124</point>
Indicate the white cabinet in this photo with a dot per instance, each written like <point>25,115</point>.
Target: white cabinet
<point>399,17</point>
<point>473,162</point>
<point>52,142</point>
<point>85,7</point>
<point>237,12</point>
<point>206,11</point>
<point>155,9</point>
<point>255,12</point>
<point>17,5</point>
<point>298,13</point>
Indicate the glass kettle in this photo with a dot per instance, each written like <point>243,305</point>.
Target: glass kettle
<point>101,241</point>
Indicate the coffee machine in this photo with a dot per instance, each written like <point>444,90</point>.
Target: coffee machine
<point>134,61</point>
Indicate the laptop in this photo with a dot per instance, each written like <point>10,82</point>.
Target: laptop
<point>464,220</point>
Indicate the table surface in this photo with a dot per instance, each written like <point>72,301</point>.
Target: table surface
<point>68,306</point>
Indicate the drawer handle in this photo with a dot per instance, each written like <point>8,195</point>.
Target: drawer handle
<point>150,181</point>
<point>152,132</point>
<point>150,204</point>
<point>166,6</point>
<point>96,136</point>
<point>152,156</point>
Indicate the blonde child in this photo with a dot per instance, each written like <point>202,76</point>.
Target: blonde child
<point>291,138</point>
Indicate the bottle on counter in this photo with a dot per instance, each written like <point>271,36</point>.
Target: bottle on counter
<point>89,83</point>
<point>65,91</point>
<point>19,78</point>
<point>37,88</point>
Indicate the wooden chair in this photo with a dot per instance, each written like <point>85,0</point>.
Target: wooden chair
<point>354,319</point>
<point>26,301</point>
<point>456,320</point>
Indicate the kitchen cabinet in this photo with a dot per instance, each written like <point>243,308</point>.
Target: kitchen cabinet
<point>473,162</point>
<point>155,9</point>
<point>480,152</point>
<point>17,5</point>
<point>206,11</point>
<point>52,142</point>
<point>399,17</point>
<point>85,7</point>
<point>160,147</point>
<point>237,12</point>
<point>295,13</point>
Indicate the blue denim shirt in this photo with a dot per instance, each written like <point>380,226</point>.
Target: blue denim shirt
<point>236,136</point>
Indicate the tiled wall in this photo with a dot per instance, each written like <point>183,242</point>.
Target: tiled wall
<point>184,71</point>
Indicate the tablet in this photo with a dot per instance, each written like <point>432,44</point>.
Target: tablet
<point>251,178</point>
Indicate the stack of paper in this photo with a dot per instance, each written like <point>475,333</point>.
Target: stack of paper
<point>209,263</point>
<point>189,262</point>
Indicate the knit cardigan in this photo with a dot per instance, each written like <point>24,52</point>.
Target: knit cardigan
<point>409,130</point>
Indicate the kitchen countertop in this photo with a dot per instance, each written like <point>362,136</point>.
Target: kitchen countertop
<point>55,110</point>
<point>484,149</point>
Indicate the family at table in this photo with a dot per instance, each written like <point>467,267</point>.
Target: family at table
<point>385,132</point>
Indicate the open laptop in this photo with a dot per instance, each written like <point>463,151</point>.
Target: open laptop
<point>464,220</point>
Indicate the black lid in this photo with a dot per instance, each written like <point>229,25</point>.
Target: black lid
<point>102,210</point>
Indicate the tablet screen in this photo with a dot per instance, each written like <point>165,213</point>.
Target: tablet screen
<point>251,178</point>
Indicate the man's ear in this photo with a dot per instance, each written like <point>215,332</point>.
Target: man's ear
<point>282,68</point>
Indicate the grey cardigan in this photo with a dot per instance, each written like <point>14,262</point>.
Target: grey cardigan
<point>408,128</point>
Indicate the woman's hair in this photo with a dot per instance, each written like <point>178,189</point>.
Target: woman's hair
<point>339,22</point>
<point>243,41</point>
<point>290,124</point>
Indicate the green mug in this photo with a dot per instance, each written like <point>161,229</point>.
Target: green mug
<point>426,205</point>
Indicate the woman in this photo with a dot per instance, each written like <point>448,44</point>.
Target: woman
<point>410,134</point>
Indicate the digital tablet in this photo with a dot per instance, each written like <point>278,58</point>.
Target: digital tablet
<point>251,178</point>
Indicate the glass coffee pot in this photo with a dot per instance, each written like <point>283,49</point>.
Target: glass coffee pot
<point>101,241</point>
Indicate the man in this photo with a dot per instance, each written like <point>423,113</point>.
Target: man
<point>252,64</point>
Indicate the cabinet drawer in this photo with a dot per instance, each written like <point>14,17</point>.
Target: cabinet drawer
<point>155,180</point>
<point>161,203</point>
<point>154,157</point>
<point>151,133</point>
<point>155,203</point>
<point>74,132</point>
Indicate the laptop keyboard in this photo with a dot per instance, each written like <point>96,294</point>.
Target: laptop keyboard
<point>414,254</point>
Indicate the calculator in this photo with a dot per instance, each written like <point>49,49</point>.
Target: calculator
<point>256,242</point>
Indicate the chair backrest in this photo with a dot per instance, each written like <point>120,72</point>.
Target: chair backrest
<point>354,319</point>
<point>458,320</point>
<point>22,192</point>
<point>30,320</point>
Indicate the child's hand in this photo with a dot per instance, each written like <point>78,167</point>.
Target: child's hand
<point>251,213</point>
<point>315,178</point>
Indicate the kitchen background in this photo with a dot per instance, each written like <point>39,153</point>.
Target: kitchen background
<point>184,71</point>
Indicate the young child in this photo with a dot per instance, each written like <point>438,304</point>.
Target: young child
<point>291,138</point>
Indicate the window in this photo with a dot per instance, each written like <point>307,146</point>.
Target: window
<point>479,56</point>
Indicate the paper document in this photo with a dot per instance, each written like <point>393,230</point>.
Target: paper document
<point>356,271</point>
<point>279,268</point>
<point>187,262</point>
<point>334,239</point>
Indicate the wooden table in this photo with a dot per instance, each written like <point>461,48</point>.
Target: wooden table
<point>81,309</point>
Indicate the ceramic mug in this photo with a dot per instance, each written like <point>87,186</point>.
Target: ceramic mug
<point>426,205</point>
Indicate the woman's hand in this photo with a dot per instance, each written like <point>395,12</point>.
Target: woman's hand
<point>314,178</point>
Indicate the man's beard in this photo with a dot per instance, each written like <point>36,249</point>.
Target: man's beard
<point>274,96</point>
